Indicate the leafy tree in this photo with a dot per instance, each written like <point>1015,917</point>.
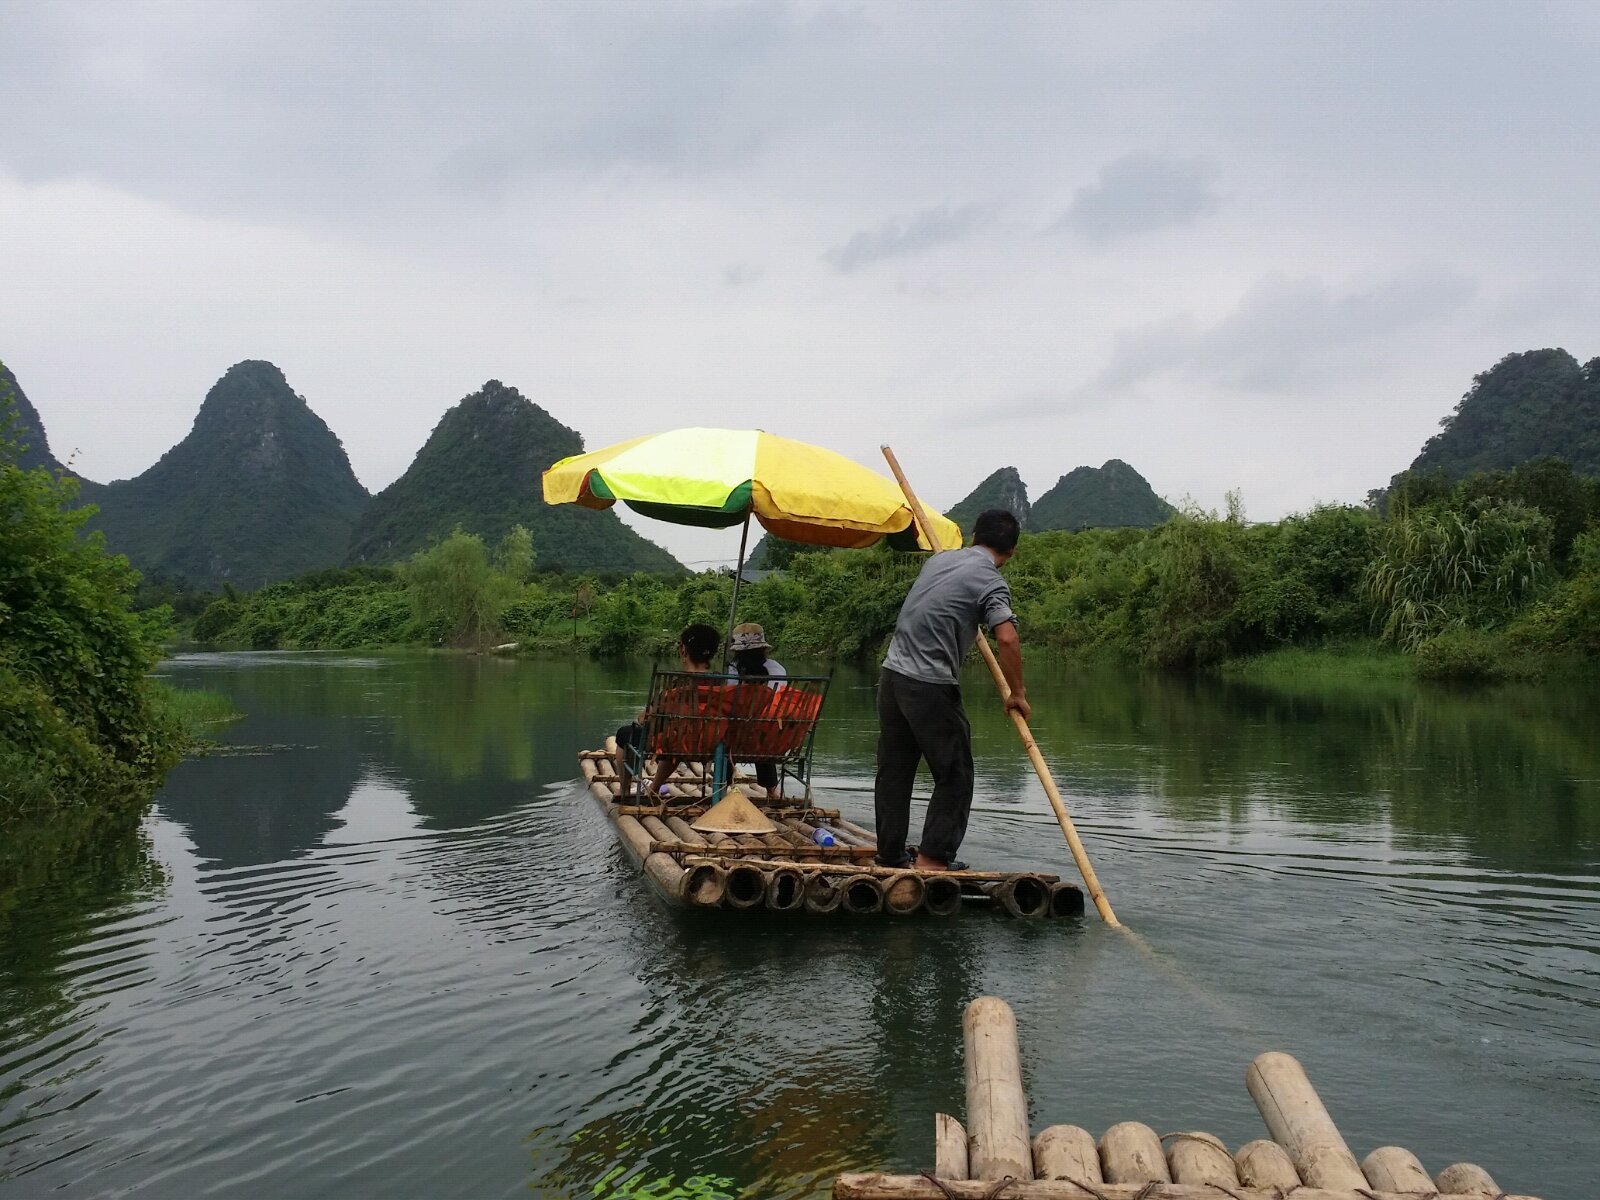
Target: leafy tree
<point>78,725</point>
<point>453,589</point>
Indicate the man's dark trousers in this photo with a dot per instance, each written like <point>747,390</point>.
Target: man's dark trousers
<point>918,720</point>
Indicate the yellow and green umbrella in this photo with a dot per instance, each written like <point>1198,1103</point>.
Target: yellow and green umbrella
<point>722,477</point>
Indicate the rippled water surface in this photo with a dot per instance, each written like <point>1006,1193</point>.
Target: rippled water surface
<point>385,947</point>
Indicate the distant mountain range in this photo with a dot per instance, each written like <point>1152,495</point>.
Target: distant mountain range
<point>261,490</point>
<point>1111,496</point>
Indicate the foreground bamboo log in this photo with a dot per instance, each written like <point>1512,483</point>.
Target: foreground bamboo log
<point>1297,1121</point>
<point>1066,1152</point>
<point>997,1110</point>
<point>1465,1179</point>
<point>1264,1164</point>
<point>1200,1158</point>
<point>949,1148</point>
<point>1130,1152</point>
<point>1066,900</point>
<point>852,868</point>
<point>1395,1169</point>
<point>920,1187</point>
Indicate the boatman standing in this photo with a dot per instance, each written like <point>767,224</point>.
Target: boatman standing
<point>919,697</point>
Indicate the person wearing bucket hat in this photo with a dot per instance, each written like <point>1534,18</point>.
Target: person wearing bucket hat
<point>751,661</point>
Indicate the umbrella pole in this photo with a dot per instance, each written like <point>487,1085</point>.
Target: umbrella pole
<point>1079,855</point>
<point>733,608</point>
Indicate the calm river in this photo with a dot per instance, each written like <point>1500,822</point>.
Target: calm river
<point>385,947</point>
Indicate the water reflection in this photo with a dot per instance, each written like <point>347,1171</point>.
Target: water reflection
<point>388,945</point>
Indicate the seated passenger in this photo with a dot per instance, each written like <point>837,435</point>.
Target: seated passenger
<point>750,661</point>
<point>697,646</point>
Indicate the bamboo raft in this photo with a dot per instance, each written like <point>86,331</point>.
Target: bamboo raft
<point>995,1157</point>
<point>787,871</point>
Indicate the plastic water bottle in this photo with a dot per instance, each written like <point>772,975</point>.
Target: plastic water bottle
<point>823,838</point>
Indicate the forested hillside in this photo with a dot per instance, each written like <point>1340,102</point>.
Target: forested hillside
<point>1113,496</point>
<point>28,433</point>
<point>260,489</point>
<point>1003,489</point>
<point>479,470</point>
<point>1527,406</point>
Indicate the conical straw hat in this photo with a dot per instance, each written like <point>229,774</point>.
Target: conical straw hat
<point>734,814</point>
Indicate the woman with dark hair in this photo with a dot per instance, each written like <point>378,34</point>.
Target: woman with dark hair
<point>750,661</point>
<point>697,646</point>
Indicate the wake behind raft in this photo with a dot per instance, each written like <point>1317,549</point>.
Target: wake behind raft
<point>712,838</point>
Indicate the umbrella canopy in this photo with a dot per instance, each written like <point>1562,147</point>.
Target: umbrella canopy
<point>718,477</point>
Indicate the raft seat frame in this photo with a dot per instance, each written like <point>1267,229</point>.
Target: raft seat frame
<point>715,720</point>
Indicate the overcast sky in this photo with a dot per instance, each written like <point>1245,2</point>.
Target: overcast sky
<point>1253,245</point>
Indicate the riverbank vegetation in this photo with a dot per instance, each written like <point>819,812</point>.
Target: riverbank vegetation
<point>82,726</point>
<point>1494,576</point>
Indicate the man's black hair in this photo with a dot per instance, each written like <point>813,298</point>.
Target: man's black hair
<point>700,642</point>
<point>997,529</point>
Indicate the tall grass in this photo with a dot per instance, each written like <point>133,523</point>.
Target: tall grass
<point>196,713</point>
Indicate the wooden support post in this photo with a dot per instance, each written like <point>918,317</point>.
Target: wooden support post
<point>1395,1169</point>
<point>997,1110</point>
<point>1297,1120</point>
<point>949,1147</point>
<point>1130,1152</point>
<point>1465,1179</point>
<point>1067,1152</point>
<point>1200,1158</point>
<point>1264,1164</point>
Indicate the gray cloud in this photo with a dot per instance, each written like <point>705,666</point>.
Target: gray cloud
<point>1288,334</point>
<point>1141,192</point>
<point>900,236</point>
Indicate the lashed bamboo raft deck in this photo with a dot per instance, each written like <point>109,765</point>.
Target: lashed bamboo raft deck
<point>787,871</point>
<point>994,1157</point>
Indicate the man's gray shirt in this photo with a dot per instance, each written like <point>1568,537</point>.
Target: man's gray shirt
<point>939,620</point>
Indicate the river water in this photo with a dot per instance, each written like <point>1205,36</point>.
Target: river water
<point>384,946</point>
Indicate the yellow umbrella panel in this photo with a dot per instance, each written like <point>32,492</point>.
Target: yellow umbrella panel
<point>717,477</point>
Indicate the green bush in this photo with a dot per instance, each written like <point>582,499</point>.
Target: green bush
<point>1462,656</point>
<point>77,724</point>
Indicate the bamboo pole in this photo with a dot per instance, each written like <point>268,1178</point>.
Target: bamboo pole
<point>997,1108</point>
<point>941,896</point>
<point>823,895</point>
<point>1041,768</point>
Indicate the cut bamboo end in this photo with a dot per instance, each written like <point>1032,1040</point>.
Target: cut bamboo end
<point>746,887</point>
<point>863,894</point>
<point>942,897</point>
<point>1200,1158</point>
<point>1297,1120</point>
<point>1465,1179</point>
<point>949,1147</point>
<point>1395,1169</point>
<point>785,890</point>
<point>1066,1152</point>
<point>904,895</point>
<point>1130,1152</point>
<point>1264,1164</point>
<point>822,895</point>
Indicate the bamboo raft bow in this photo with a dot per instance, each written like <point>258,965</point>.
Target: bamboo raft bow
<point>994,1156</point>
<point>786,871</point>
